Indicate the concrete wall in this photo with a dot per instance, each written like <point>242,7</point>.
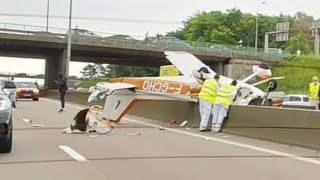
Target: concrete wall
<point>288,126</point>
<point>239,68</point>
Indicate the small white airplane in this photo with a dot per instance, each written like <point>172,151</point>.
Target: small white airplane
<point>123,93</point>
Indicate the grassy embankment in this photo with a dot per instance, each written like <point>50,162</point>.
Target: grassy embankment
<point>298,74</point>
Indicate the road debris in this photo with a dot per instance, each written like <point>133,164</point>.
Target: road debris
<point>74,131</point>
<point>37,125</point>
<point>162,128</point>
<point>132,134</point>
<point>173,121</point>
<point>184,123</point>
<point>27,120</point>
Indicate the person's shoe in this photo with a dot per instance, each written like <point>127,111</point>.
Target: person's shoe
<point>204,130</point>
<point>217,128</point>
<point>61,110</point>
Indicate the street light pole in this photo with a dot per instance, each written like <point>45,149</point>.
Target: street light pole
<point>69,41</point>
<point>257,26</point>
<point>48,5</point>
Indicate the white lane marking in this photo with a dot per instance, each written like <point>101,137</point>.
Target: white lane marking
<point>72,153</point>
<point>247,146</point>
<point>278,153</point>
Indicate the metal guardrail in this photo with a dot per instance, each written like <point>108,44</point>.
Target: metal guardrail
<point>165,43</point>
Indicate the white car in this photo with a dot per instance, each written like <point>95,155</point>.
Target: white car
<point>9,88</point>
<point>298,101</point>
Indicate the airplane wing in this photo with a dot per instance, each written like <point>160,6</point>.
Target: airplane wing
<point>266,80</point>
<point>104,88</point>
<point>185,62</point>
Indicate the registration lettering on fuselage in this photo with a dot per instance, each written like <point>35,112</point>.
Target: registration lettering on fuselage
<point>162,86</point>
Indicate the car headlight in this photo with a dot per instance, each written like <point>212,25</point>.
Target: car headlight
<point>36,91</point>
<point>5,104</point>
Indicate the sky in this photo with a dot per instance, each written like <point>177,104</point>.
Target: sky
<point>120,17</point>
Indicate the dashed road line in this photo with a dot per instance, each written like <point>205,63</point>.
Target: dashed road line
<point>75,155</point>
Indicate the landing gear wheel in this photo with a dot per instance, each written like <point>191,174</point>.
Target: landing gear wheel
<point>272,85</point>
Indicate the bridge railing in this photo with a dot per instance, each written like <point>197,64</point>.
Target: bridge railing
<point>166,43</point>
<point>24,27</point>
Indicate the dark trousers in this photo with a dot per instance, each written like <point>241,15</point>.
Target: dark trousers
<point>62,99</point>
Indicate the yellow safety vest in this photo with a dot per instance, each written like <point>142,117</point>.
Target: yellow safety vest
<point>313,91</point>
<point>208,90</point>
<point>224,95</point>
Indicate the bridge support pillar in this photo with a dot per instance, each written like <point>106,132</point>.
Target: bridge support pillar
<point>55,63</point>
<point>51,71</point>
<point>221,68</point>
<point>63,62</point>
<point>240,69</point>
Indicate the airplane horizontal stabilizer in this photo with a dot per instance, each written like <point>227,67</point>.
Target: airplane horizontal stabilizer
<point>266,80</point>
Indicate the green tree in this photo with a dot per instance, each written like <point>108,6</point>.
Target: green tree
<point>300,42</point>
<point>178,34</point>
<point>93,70</point>
<point>233,25</point>
<point>300,30</point>
<point>131,71</point>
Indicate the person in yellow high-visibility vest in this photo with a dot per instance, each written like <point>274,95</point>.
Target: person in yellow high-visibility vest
<point>224,99</point>
<point>314,89</point>
<point>207,97</point>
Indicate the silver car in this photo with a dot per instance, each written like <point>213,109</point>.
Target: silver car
<point>9,88</point>
<point>6,123</point>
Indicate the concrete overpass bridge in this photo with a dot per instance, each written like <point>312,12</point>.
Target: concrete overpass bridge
<point>32,42</point>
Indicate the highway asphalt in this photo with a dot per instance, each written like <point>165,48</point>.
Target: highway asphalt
<point>138,149</point>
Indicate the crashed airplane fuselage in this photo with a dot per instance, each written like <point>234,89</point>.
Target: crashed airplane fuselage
<point>123,93</point>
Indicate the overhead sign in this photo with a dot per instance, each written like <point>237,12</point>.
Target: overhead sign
<point>169,70</point>
<point>282,31</point>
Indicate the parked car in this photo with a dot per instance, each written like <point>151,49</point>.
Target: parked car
<point>27,90</point>
<point>9,88</point>
<point>83,33</point>
<point>6,123</point>
<point>171,42</point>
<point>121,38</point>
<point>298,101</point>
<point>276,52</point>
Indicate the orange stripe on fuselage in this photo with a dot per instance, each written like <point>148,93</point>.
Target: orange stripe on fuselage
<point>155,85</point>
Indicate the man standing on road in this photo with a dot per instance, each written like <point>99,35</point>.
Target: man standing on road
<point>62,86</point>
<point>224,99</point>
<point>207,97</point>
